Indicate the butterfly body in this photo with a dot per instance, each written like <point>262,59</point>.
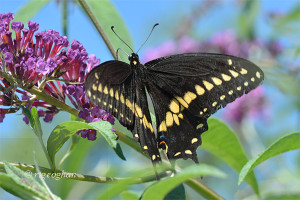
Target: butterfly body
<point>185,90</point>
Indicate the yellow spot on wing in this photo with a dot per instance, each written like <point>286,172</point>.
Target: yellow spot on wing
<point>174,106</point>
<point>222,97</point>
<point>138,110</point>
<point>89,93</point>
<point>205,109</point>
<point>234,73</point>
<point>188,152</point>
<point>257,74</point>
<point>162,127</point>
<point>111,92</point>
<point>243,71</point>
<point>252,79</point>
<point>199,126</point>
<point>153,157</point>
<point>189,97</point>
<point>105,90</point>
<point>230,92</point>
<point>246,83</point>
<point>136,135</point>
<point>145,122</point>
<point>100,87</point>
<point>200,90</point>
<point>180,116</point>
<point>169,119</point>
<point>182,102</point>
<point>226,77</point>
<point>216,80</point>
<point>176,154</point>
<point>229,62</point>
<point>239,88</point>
<point>194,140</point>
<point>208,85</point>
<point>176,120</point>
<point>96,76</point>
<point>117,95</point>
<point>94,87</point>
<point>214,104</point>
<point>129,104</point>
<point>145,147</point>
<point>122,98</point>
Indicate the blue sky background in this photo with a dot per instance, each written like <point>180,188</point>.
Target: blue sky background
<point>140,16</point>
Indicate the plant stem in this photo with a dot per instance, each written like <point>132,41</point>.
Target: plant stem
<point>30,169</point>
<point>203,189</point>
<point>53,101</point>
<point>46,153</point>
<point>88,11</point>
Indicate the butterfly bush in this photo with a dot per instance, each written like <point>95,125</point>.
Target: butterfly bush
<point>253,104</point>
<point>37,60</point>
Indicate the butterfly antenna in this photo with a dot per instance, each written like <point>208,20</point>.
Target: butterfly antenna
<point>112,28</point>
<point>148,36</point>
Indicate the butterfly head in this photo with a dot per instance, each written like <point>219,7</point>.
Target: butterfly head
<point>134,59</point>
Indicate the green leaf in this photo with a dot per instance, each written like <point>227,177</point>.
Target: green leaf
<point>221,141</point>
<point>72,147</point>
<point>160,189</point>
<point>20,184</point>
<point>287,196</point>
<point>178,193</point>
<point>28,114</point>
<point>105,128</point>
<point>286,143</point>
<point>65,130</point>
<point>34,120</point>
<point>248,18</point>
<point>29,10</point>
<point>107,16</point>
<point>127,195</point>
<point>37,124</point>
<point>74,142</point>
<point>293,16</point>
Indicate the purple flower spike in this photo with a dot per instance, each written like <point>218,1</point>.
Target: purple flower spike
<point>8,57</point>
<point>91,134</point>
<point>17,26</point>
<point>33,26</point>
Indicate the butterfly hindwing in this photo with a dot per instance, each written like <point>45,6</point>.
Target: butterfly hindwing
<point>180,127</point>
<point>187,88</point>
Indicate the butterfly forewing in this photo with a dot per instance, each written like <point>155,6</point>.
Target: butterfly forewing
<point>109,85</point>
<point>213,80</point>
<point>115,88</point>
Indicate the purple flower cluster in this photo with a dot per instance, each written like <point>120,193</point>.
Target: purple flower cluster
<point>251,105</point>
<point>25,64</point>
<point>226,42</point>
<point>91,115</point>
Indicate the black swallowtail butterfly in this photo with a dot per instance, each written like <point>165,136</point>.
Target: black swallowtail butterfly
<point>185,90</point>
